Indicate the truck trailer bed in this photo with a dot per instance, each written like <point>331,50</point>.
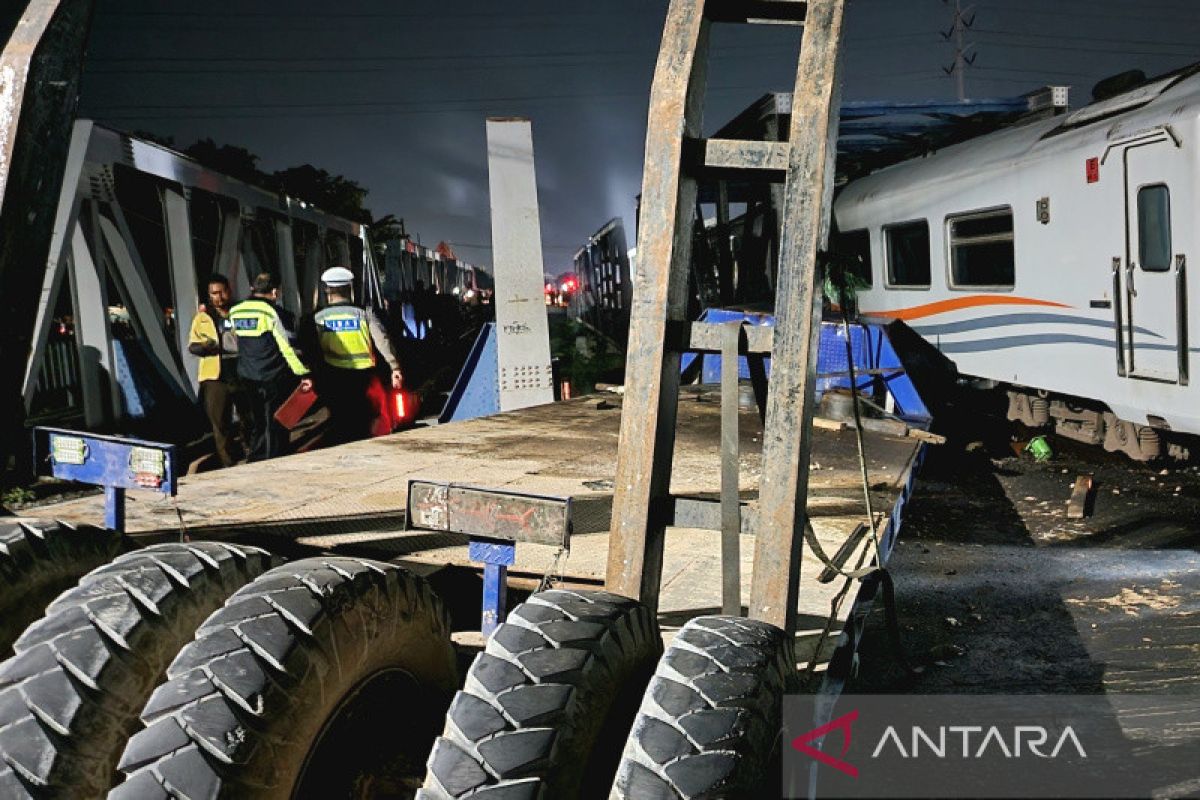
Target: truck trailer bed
<point>351,500</point>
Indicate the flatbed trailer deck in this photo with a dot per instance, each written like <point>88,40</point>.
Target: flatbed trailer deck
<point>350,500</point>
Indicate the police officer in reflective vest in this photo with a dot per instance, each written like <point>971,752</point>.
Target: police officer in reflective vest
<point>349,339</point>
<point>267,364</point>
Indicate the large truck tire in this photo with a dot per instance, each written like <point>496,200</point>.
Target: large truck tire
<point>547,705</point>
<point>39,560</point>
<point>297,687</point>
<point>709,725</point>
<point>70,697</point>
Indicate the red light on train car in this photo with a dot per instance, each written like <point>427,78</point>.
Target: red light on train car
<point>1093,170</point>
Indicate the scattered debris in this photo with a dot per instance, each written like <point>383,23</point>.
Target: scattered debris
<point>953,622</point>
<point>1039,448</point>
<point>1128,600</point>
<point>940,653</point>
<point>1079,506</point>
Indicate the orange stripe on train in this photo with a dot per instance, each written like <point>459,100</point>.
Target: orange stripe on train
<point>954,304</point>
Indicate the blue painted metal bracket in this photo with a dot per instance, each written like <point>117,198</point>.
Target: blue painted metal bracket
<point>115,463</point>
<point>495,521</point>
<point>872,349</point>
<point>496,557</point>
<point>476,392</point>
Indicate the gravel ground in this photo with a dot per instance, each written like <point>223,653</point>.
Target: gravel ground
<point>999,592</point>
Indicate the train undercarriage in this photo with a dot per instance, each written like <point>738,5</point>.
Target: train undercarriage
<point>1092,423</point>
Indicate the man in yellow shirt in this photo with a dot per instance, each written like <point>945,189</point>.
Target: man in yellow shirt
<point>213,340</point>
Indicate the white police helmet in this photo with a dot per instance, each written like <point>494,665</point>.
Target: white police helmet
<point>337,276</point>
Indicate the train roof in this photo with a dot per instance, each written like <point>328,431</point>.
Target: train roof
<point>1174,97</point>
<point>873,134</point>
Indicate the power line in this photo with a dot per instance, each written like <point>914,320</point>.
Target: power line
<point>1026,11</point>
<point>275,15</point>
<point>1094,39</point>
<point>1106,50</point>
<point>375,108</point>
<point>1043,72</point>
<point>605,56</point>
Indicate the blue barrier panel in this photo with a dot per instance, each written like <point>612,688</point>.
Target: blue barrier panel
<point>476,393</point>
<point>115,463</point>
<point>872,348</point>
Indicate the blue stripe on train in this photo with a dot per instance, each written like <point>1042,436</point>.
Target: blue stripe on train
<point>998,320</point>
<point>1008,342</point>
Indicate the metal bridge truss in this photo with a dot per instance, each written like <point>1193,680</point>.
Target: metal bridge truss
<point>142,227</point>
<point>605,292</point>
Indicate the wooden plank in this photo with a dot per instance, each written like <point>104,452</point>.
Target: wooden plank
<point>734,154</point>
<point>731,503</point>
<point>787,445</point>
<point>1077,506</point>
<point>779,12</point>
<point>644,465</point>
<point>706,337</point>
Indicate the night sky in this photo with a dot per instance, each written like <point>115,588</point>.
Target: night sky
<point>393,93</point>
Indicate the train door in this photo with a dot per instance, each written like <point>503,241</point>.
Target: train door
<point>1154,339</point>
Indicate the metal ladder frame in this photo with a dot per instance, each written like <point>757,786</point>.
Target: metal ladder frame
<point>659,332</point>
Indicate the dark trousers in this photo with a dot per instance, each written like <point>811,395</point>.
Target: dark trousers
<point>268,439</point>
<point>356,400</point>
<point>220,397</point>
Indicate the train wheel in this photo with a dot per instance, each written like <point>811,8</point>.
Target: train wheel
<point>39,560</point>
<point>547,704</point>
<point>709,725</point>
<point>317,680</point>
<point>70,697</point>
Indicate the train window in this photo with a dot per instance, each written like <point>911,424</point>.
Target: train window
<point>857,246</point>
<point>1154,228</point>
<point>908,254</point>
<point>981,249</point>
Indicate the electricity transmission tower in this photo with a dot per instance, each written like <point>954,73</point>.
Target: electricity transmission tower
<point>963,57</point>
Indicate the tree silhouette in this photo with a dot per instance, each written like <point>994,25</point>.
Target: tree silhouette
<point>335,194</point>
<point>237,162</point>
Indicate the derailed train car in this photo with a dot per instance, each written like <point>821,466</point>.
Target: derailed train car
<point>1051,258</point>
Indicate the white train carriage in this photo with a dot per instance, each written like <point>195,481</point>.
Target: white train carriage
<point>1052,257</point>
